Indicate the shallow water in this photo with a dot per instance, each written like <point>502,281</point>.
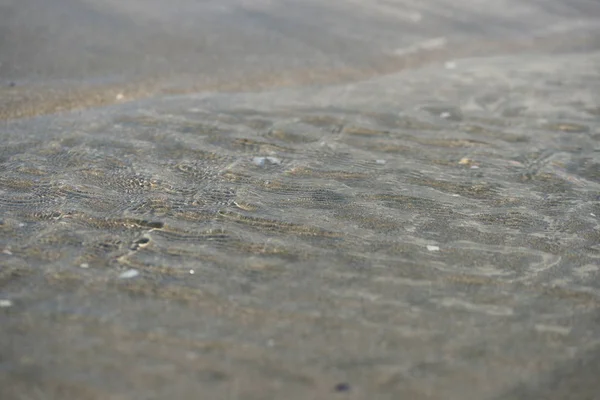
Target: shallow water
<point>429,234</point>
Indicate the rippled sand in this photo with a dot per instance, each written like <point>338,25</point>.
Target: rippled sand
<point>431,233</point>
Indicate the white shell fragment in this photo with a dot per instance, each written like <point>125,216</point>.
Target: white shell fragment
<point>5,303</point>
<point>433,248</point>
<point>450,65</point>
<point>261,161</point>
<point>130,273</point>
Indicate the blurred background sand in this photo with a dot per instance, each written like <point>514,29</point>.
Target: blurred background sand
<point>57,55</point>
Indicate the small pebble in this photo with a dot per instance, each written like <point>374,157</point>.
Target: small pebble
<point>120,96</point>
<point>342,387</point>
<point>84,265</point>
<point>261,161</point>
<point>474,167</point>
<point>464,161</point>
<point>192,272</point>
<point>130,273</point>
<point>445,114</point>
<point>433,248</point>
<point>381,162</point>
<point>7,251</point>
<point>5,303</point>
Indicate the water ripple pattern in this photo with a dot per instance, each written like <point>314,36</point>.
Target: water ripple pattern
<point>448,232</point>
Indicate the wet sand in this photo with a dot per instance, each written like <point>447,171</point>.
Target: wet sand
<point>281,199</point>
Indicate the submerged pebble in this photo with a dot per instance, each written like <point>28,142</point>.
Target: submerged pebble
<point>342,387</point>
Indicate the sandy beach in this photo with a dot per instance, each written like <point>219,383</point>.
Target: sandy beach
<point>297,199</point>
